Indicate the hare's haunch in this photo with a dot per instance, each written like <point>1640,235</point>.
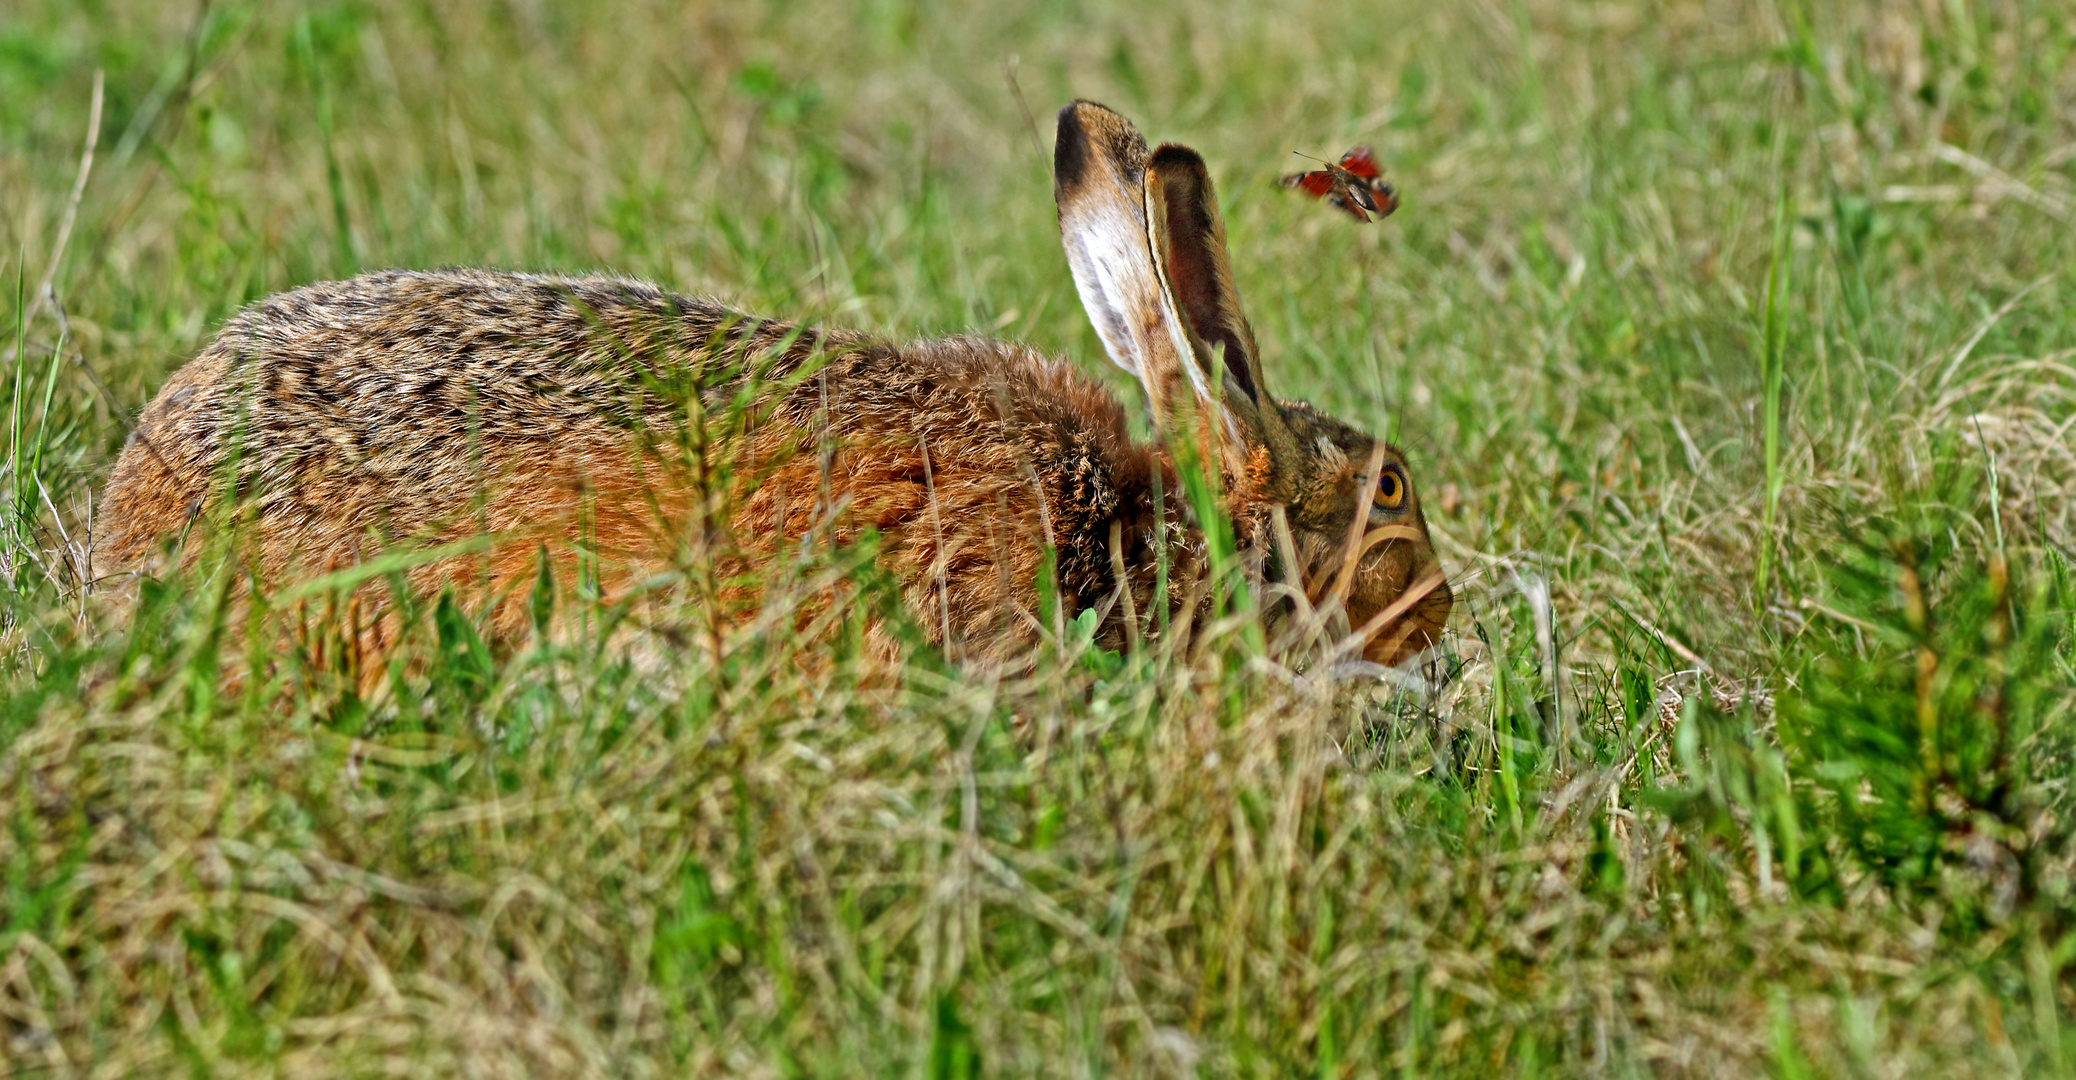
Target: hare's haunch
<point>613,423</point>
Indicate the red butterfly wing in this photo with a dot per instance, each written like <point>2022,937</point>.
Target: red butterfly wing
<point>1316,184</point>
<point>1360,162</point>
<point>1385,196</point>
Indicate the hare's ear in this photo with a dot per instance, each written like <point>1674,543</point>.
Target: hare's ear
<point>1099,184</point>
<point>1190,242</point>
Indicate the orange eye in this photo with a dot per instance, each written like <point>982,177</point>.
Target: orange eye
<point>1391,490</point>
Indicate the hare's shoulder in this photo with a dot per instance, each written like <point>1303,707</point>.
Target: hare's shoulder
<point>968,383</point>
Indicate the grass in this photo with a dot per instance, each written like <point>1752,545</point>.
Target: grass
<point>1730,343</point>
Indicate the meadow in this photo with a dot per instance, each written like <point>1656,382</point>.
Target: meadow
<point>1730,344</point>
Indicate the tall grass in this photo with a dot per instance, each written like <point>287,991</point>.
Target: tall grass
<point>1747,753</point>
<point>1773,360</point>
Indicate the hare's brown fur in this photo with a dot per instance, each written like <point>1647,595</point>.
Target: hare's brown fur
<point>432,407</point>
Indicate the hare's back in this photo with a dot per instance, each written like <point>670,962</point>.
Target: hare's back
<point>393,400</point>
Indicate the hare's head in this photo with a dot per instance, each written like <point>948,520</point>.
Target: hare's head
<point>1147,248</point>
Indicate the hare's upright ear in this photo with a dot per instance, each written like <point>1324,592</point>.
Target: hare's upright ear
<point>1189,242</point>
<point>1099,184</point>
<point>1147,248</point>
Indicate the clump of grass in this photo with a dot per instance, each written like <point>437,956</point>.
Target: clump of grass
<point>1935,711</point>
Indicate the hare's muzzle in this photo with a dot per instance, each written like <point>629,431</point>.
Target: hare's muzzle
<point>1405,617</point>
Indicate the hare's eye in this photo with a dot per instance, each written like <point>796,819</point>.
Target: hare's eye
<point>1391,490</point>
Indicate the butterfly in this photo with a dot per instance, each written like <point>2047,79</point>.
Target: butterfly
<point>1355,185</point>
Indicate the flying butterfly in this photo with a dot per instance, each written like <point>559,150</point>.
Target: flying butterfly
<point>1356,185</point>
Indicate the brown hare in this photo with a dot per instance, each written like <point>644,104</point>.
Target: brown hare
<point>415,410</point>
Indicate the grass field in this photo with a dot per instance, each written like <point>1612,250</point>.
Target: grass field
<point>1731,345</point>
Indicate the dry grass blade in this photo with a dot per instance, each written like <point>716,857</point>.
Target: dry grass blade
<point>2003,183</point>
<point>1352,551</point>
<point>79,183</point>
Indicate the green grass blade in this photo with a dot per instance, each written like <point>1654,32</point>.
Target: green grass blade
<point>1773,375</point>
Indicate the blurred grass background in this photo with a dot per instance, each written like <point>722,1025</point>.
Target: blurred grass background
<point>1632,833</point>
